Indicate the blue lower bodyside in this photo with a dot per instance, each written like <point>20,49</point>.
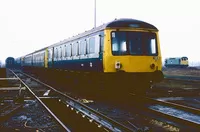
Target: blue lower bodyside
<point>86,65</point>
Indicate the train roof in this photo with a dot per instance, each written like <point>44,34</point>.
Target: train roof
<point>117,23</point>
<point>124,22</point>
<point>9,58</point>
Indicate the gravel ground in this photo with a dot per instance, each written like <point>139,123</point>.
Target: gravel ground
<point>181,72</point>
<point>32,117</point>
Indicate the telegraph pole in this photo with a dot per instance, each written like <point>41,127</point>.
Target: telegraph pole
<point>94,13</point>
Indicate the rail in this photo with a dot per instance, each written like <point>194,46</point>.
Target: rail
<point>179,107</point>
<point>67,129</point>
<point>87,111</point>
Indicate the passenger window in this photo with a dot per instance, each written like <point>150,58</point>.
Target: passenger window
<point>92,45</point>
<point>37,58</point>
<point>60,53</point>
<point>50,54</point>
<point>83,47</point>
<point>68,50</point>
<point>75,49</point>
<point>55,53</point>
<point>63,51</point>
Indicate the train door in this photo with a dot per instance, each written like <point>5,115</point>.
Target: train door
<point>50,57</point>
<point>100,50</point>
<point>101,35</point>
<point>46,58</point>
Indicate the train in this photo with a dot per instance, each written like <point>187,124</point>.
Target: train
<point>10,62</point>
<point>124,54</point>
<point>177,62</point>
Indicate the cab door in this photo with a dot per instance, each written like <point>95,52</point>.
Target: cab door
<point>46,58</point>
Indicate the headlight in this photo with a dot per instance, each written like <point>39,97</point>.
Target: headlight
<point>117,65</point>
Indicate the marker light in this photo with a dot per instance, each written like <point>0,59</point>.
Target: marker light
<point>152,66</point>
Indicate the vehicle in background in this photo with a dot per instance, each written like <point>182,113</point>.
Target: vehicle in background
<point>176,62</point>
<point>10,62</point>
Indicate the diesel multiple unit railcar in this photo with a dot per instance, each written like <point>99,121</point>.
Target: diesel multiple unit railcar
<point>123,52</point>
<point>177,62</point>
<point>10,62</point>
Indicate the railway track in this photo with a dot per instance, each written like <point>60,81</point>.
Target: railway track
<point>176,116</point>
<point>99,122</point>
<point>183,78</point>
<point>188,117</point>
<point>92,119</point>
<point>185,81</point>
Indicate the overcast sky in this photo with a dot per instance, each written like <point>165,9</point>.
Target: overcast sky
<point>28,25</point>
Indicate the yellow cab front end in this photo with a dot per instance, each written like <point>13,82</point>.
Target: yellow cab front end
<point>184,61</point>
<point>132,54</point>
